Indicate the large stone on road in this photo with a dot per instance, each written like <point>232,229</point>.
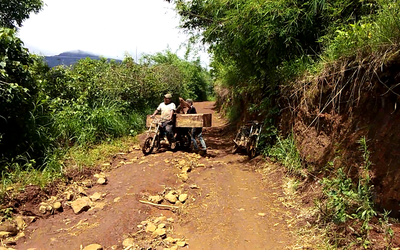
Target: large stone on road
<point>80,205</point>
<point>183,197</point>
<point>171,197</point>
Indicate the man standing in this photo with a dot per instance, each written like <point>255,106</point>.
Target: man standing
<point>196,131</point>
<point>167,109</point>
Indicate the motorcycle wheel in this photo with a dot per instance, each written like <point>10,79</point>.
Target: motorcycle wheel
<point>147,147</point>
<point>251,148</point>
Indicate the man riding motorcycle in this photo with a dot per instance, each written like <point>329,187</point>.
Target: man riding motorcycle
<point>167,109</point>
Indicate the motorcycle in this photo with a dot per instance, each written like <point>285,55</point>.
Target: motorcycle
<point>155,135</point>
<point>247,138</point>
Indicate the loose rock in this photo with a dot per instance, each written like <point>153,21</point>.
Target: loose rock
<point>170,240</point>
<point>93,247</point>
<point>52,199</point>
<point>81,204</point>
<point>101,181</point>
<point>183,197</point>
<point>69,196</point>
<point>184,177</point>
<point>162,218</point>
<point>128,242</point>
<point>96,196</point>
<point>42,209</point>
<point>87,183</point>
<point>81,190</point>
<point>100,175</point>
<point>181,243</point>
<point>156,199</point>
<point>171,197</point>
<point>57,205</point>
<point>151,227</point>
<point>4,234</point>
<point>160,232</point>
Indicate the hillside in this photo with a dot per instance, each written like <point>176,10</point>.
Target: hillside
<point>71,57</point>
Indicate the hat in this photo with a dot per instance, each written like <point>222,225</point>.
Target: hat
<point>168,96</point>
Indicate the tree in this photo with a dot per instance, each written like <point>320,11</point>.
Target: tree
<point>260,35</point>
<point>195,79</point>
<point>18,93</point>
<point>259,45</point>
<point>14,12</point>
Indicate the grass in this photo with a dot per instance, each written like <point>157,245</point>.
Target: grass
<point>89,157</point>
<point>16,177</point>
<point>285,152</point>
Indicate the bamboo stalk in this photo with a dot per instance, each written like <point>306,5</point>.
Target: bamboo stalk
<point>158,205</point>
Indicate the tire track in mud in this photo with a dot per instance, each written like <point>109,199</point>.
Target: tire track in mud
<point>229,205</point>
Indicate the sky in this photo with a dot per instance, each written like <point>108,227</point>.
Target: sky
<point>104,27</point>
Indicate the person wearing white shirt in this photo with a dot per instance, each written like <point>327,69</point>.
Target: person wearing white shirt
<point>167,109</point>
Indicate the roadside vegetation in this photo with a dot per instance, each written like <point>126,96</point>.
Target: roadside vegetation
<point>268,59</point>
<point>55,118</point>
<point>278,60</point>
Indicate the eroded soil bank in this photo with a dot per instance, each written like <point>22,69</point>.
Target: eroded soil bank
<point>349,101</point>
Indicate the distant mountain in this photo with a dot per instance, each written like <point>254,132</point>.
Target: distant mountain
<point>71,57</point>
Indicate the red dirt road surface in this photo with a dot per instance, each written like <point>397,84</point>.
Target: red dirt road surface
<point>229,204</point>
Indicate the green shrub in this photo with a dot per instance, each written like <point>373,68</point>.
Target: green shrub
<point>349,201</point>
<point>368,35</point>
<point>285,152</point>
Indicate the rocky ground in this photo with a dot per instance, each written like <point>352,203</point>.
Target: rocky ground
<point>166,200</point>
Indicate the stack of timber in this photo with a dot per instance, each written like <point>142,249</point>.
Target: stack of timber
<point>187,120</point>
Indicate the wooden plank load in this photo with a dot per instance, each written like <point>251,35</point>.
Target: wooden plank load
<point>193,120</point>
<point>187,120</point>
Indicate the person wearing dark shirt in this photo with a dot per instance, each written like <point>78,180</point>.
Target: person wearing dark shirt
<point>196,132</point>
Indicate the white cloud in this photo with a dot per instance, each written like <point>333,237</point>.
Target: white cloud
<point>109,28</point>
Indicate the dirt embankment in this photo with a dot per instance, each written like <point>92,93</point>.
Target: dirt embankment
<point>351,100</point>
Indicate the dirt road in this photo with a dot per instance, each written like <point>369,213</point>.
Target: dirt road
<point>229,204</point>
